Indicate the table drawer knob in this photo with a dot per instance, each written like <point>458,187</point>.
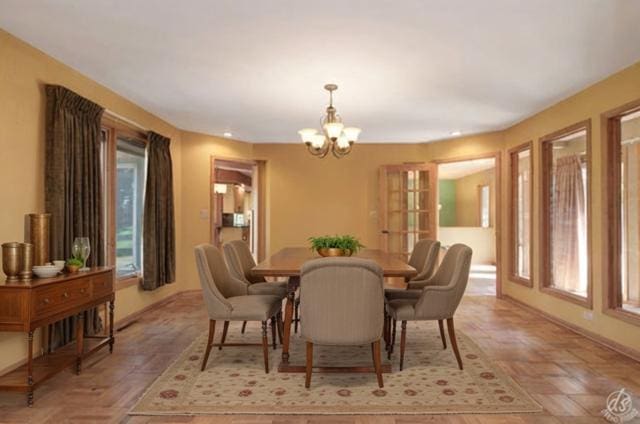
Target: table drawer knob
<point>65,295</point>
<point>45,300</point>
<point>83,291</point>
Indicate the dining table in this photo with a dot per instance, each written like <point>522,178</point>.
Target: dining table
<point>288,263</point>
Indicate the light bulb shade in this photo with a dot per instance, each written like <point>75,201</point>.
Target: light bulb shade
<point>317,141</point>
<point>342,142</point>
<point>307,134</point>
<point>351,133</point>
<point>333,129</point>
<point>219,188</point>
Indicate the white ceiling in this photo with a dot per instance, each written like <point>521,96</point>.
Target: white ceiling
<point>408,70</point>
<point>455,170</point>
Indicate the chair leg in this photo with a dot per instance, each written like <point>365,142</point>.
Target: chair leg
<point>403,342</point>
<point>244,326</point>
<point>296,318</point>
<point>265,346</point>
<point>454,343</point>
<point>376,362</point>
<point>444,339</point>
<point>309,365</point>
<point>385,331</point>
<point>393,337</point>
<point>273,332</point>
<point>212,330</point>
<point>280,326</point>
<point>224,334</point>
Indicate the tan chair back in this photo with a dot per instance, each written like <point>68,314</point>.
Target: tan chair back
<point>341,301</point>
<point>424,258</point>
<point>240,261</point>
<point>443,295</point>
<point>217,284</point>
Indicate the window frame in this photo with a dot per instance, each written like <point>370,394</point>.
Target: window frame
<point>513,218</point>
<point>611,212</point>
<point>115,128</point>
<point>544,209</point>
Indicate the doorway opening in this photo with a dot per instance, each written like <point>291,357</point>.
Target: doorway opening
<point>468,212</point>
<point>236,193</point>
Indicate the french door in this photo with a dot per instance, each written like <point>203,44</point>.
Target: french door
<point>408,208</point>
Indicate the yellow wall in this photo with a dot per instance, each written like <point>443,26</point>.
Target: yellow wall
<point>23,73</point>
<point>612,92</point>
<point>468,198</point>
<point>196,171</point>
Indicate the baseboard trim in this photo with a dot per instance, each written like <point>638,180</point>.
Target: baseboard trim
<point>613,345</point>
<point>131,318</point>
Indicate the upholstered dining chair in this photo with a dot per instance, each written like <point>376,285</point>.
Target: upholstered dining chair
<point>438,300</point>
<point>424,258</point>
<point>241,263</point>
<point>227,299</point>
<point>341,304</point>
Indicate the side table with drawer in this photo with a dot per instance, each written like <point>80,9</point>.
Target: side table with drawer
<point>24,307</point>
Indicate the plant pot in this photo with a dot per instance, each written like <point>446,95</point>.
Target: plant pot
<point>72,268</point>
<point>334,252</point>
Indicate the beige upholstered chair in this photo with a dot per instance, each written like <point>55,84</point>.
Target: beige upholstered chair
<point>240,262</point>
<point>438,300</point>
<point>342,300</point>
<point>227,299</point>
<point>424,258</point>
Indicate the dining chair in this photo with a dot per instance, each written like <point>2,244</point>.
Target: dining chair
<point>227,299</point>
<point>424,258</point>
<point>438,300</point>
<point>341,304</point>
<point>241,263</point>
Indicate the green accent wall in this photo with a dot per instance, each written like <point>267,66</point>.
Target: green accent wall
<point>447,198</point>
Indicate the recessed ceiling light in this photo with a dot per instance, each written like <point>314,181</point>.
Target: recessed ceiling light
<point>456,133</point>
<point>227,134</point>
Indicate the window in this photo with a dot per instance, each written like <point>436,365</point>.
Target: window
<point>484,195</point>
<point>565,214</point>
<point>623,215</point>
<point>521,206</point>
<point>130,183</point>
<point>125,179</point>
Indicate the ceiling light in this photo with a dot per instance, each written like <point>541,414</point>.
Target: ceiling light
<point>456,133</point>
<point>227,134</point>
<point>334,136</point>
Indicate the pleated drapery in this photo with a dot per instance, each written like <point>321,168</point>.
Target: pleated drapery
<point>568,226</point>
<point>159,245</point>
<point>73,186</point>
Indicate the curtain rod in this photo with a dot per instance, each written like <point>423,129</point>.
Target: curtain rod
<point>111,114</point>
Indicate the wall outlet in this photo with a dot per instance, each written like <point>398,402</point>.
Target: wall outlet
<point>588,315</point>
<point>204,214</point>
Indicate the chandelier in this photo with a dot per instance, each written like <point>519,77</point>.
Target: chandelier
<point>334,136</point>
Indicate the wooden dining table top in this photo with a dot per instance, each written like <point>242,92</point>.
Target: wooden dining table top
<point>288,262</point>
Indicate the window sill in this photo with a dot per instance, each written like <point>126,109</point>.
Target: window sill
<point>128,281</point>
<point>585,302</point>
<point>520,280</point>
<point>621,314</point>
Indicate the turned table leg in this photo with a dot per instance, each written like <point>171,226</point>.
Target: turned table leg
<point>79,341</point>
<point>288,316</point>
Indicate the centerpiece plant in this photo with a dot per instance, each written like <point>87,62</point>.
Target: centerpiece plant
<point>345,245</point>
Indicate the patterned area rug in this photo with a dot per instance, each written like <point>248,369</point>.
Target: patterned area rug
<point>235,383</point>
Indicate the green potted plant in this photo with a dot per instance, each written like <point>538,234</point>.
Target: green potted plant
<point>335,245</point>
<point>73,265</point>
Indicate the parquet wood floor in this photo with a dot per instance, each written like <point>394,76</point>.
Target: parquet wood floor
<point>568,374</point>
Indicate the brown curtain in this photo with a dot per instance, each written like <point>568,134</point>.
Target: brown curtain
<point>568,225</point>
<point>73,185</point>
<point>159,245</point>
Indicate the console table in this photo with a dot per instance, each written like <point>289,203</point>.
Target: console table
<point>24,307</point>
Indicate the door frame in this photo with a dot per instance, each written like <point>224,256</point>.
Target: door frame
<point>497,156</point>
<point>260,168</point>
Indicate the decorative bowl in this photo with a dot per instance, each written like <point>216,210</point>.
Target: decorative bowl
<point>334,252</point>
<point>59,265</point>
<point>45,271</point>
<point>72,268</point>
